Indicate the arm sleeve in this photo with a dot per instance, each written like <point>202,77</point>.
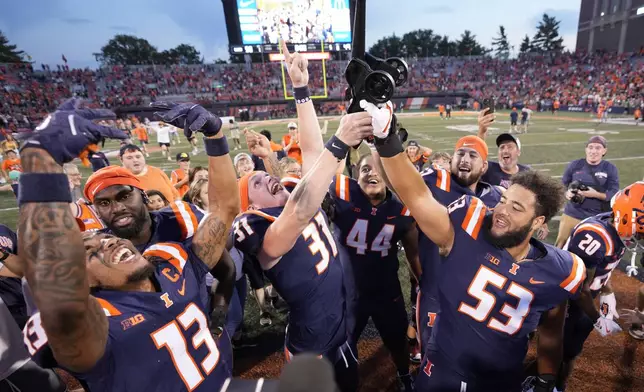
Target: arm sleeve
<point>612,182</point>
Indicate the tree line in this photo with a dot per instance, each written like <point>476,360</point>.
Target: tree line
<point>425,43</point>
<point>128,49</point>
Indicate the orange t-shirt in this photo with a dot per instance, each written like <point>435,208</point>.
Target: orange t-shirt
<point>295,152</point>
<point>154,178</point>
<point>11,165</point>
<point>87,218</point>
<point>141,133</point>
<point>175,177</point>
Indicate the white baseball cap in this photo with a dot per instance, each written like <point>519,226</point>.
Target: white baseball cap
<point>292,125</point>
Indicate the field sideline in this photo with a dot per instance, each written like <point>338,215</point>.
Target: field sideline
<point>609,364</point>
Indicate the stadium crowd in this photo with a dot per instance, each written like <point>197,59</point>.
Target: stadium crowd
<point>115,278</point>
<point>26,94</point>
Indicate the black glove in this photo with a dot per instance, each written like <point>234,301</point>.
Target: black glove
<point>189,116</point>
<point>217,320</point>
<point>69,132</point>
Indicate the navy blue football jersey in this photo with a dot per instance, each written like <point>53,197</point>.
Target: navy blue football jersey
<point>597,243</point>
<point>446,190</point>
<point>157,341</point>
<point>489,303</point>
<point>370,234</point>
<point>177,222</point>
<point>309,277</point>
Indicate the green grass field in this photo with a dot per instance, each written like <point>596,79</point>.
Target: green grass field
<point>551,142</point>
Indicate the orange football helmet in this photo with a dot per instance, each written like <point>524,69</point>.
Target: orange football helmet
<point>628,213</point>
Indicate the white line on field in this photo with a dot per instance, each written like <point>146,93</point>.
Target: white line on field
<point>8,209</point>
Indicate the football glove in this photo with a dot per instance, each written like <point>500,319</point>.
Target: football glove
<point>606,326</point>
<point>608,306</point>
<point>189,116</point>
<point>69,132</point>
<point>381,118</point>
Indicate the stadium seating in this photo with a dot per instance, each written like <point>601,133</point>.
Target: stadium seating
<point>574,79</point>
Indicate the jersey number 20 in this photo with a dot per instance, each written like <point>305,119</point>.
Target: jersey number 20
<point>481,312</point>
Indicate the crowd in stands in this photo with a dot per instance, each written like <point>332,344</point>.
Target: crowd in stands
<point>26,94</point>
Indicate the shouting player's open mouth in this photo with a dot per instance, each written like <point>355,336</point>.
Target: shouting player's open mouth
<point>506,159</point>
<point>464,168</point>
<point>500,223</point>
<point>274,186</point>
<point>122,255</point>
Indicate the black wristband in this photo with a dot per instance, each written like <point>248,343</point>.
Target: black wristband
<point>337,147</point>
<point>44,188</point>
<point>390,146</point>
<point>216,147</point>
<point>301,94</point>
<point>545,383</point>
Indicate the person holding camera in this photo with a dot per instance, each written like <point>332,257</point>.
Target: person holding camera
<point>591,183</point>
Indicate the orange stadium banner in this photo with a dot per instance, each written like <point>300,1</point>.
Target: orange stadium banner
<point>322,55</point>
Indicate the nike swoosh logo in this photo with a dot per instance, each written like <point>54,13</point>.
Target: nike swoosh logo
<point>390,217</point>
<point>533,281</point>
<point>334,146</point>
<point>467,145</point>
<point>183,288</point>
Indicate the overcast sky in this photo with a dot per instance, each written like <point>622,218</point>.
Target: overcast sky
<point>46,29</point>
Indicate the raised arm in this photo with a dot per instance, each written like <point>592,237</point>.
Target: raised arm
<point>49,240</point>
<point>431,216</point>
<point>311,142</point>
<point>307,197</point>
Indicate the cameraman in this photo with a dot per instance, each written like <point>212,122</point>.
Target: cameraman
<point>591,183</point>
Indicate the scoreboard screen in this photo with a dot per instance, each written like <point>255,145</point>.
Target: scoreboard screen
<point>305,25</point>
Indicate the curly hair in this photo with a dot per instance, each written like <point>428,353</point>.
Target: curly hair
<point>548,191</point>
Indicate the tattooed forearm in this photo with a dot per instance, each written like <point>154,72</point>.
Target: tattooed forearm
<point>308,195</point>
<point>273,165</point>
<point>53,254</point>
<point>209,241</point>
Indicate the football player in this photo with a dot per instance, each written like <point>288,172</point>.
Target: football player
<point>141,307</point>
<point>468,164</point>
<point>370,222</point>
<point>600,242</point>
<point>290,237</point>
<point>495,283</point>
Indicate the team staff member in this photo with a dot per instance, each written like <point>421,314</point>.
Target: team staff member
<point>601,179</point>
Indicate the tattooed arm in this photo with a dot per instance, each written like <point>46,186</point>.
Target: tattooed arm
<point>272,165</point>
<point>52,250</point>
<point>209,240</point>
<point>306,199</point>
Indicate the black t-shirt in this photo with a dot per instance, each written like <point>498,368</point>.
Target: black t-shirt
<point>496,176</point>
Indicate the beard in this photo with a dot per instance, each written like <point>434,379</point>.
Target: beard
<point>472,178</point>
<point>145,272</point>
<point>140,219</point>
<point>509,239</point>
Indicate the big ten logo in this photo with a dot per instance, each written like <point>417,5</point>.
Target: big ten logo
<point>6,242</point>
